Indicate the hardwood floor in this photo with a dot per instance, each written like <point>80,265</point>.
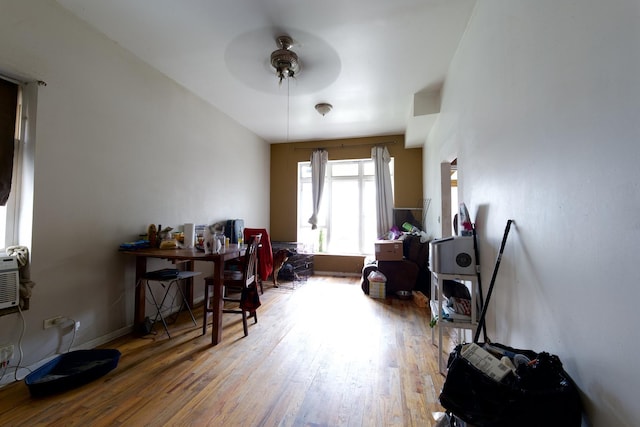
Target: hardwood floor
<point>322,354</point>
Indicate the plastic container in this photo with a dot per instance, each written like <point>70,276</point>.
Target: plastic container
<point>71,370</point>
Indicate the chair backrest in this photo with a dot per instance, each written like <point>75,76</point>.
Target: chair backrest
<point>251,260</point>
<point>265,251</point>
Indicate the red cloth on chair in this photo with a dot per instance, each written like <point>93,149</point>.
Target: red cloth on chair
<point>265,253</point>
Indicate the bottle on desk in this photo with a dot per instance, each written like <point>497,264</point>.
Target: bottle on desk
<point>152,235</point>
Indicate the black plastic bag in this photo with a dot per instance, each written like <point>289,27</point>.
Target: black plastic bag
<point>249,298</point>
<point>539,394</point>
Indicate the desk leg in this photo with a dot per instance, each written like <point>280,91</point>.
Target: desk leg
<point>188,286</point>
<point>216,330</point>
<point>139,303</point>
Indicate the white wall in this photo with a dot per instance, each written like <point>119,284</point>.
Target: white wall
<point>541,109</point>
<point>119,146</point>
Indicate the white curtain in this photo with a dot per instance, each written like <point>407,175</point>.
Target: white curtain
<point>319,159</point>
<point>384,192</point>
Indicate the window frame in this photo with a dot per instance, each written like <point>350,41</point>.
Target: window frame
<point>326,206</point>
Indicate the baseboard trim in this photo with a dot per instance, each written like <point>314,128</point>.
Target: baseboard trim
<point>336,274</point>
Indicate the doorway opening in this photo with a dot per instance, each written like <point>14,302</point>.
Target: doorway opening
<point>454,193</point>
<point>449,191</point>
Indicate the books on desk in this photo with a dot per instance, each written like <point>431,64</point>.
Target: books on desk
<point>131,246</point>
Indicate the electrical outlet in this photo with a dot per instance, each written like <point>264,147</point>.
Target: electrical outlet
<point>49,323</point>
<point>6,353</point>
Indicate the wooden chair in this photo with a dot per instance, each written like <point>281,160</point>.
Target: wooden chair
<point>238,286</point>
<point>265,254</point>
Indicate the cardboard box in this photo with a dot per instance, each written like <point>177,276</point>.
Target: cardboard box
<point>389,250</point>
<point>377,289</point>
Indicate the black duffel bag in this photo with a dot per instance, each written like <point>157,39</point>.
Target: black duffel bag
<point>539,394</point>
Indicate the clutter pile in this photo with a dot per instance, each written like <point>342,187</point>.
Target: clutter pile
<point>494,385</point>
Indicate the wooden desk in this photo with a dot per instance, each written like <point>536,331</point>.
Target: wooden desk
<point>190,256</point>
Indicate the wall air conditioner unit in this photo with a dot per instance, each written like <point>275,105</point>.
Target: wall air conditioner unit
<point>9,282</point>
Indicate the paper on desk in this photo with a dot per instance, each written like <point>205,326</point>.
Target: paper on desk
<point>189,235</point>
<point>485,362</point>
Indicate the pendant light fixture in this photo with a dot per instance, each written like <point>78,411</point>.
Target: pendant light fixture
<point>323,108</point>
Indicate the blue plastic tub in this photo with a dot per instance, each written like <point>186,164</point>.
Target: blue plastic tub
<point>71,370</point>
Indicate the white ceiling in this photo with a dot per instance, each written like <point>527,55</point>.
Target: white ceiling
<point>369,58</point>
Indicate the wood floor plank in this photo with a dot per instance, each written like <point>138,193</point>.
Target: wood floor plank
<point>322,354</point>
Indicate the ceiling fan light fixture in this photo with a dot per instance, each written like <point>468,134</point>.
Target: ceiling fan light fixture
<point>323,108</point>
<point>284,60</point>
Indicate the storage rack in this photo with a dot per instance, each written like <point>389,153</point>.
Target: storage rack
<point>471,281</point>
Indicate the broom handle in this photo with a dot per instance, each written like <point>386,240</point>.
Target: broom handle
<point>480,293</point>
<point>481,322</point>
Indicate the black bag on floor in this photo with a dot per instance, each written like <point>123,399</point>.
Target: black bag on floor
<point>539,394</point>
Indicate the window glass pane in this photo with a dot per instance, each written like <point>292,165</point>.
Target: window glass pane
<point>305,207</point>
<point>305,170</point>
<point>343,237</point>
<point>369,168</point>
<point>310,238</point>
<point>369,221</point>
<point>344,169</point>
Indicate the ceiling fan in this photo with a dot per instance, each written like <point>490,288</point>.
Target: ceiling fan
<point>284,60</point>
<point>252,60</point>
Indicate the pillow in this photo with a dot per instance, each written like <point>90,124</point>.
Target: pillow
<point>452,288</point>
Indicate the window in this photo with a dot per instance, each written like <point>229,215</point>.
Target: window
<point>17,215</point>
<point>347,217</point>
<point>9,131</point>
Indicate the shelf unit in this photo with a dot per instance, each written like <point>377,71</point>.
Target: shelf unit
<point>437,281</point>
